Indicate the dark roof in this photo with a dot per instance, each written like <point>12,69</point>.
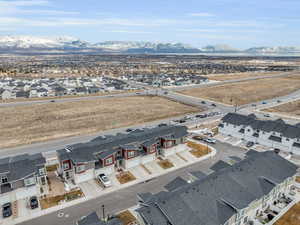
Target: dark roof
<point>93,219</point>
<point>21,166</point>
<point>216,198</point>
<point>102,147</point>
<point>279,126</point>
<point>175,184</point>
<point>219,165</point>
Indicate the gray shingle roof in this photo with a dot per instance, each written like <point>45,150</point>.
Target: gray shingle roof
<point>21,166</point>
<point>102,147</point>
<point>93,219</point>
<point>279,126</point>
<point>214,199</point>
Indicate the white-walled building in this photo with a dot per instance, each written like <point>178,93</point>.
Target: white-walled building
<point>271,133</point>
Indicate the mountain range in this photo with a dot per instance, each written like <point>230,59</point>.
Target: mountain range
<point>66,43</point>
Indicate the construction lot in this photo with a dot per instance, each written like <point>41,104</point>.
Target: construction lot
<point>42,122</point>
<point>289,109</point>
<point>246,92</point>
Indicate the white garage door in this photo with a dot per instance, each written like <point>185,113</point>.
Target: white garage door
<point>87,175</point>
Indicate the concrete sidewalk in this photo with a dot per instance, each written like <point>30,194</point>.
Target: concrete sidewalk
<point>158,171</point>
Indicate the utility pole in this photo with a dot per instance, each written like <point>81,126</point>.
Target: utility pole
<point>103,213</point>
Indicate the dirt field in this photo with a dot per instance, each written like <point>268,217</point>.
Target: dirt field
<point>28,124</point>
<point>290,109</point>
<point>291,217</point>
<point>248,91</point>
<point>233,76</point>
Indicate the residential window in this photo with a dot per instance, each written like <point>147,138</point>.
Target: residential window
<point>80,168</point>
<point>66,166</point>
<point>29,181</point>
<point>4,180</point>
<point>130,154</point>
<point>108,161</point>
<point>42,171</point>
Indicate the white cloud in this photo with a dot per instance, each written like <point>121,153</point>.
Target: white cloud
<point>201,14</point>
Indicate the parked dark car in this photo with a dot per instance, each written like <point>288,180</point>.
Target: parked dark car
<point>213,104</point>
<point>277,150</point>
<point>249,144</point>
<point>128,130</point>
<point>201,116</point>
<point>33,202</point>
<point>203,102</point>
<point>162,125</point>
<point>6,210</point>
<point>52,101</point>
<point>263,103</point>
<point>182,121</point>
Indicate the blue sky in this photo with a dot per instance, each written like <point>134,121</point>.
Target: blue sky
<point>239,23</point>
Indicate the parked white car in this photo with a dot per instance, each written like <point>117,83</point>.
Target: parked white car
<point>210,140</point>
<point>104,180</point>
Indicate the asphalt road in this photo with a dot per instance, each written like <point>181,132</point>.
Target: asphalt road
<point>126,198</point>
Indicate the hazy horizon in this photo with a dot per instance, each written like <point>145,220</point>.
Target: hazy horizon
<point>238,24</point>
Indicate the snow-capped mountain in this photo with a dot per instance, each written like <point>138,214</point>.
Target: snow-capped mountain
<point>219,48</point>
<point>274,50</point>
<point>145,47</point>
<point>27,42</point>
<point>65,42</point>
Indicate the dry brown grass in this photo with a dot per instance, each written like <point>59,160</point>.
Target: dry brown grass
<point>290,108</point>
<point>248,91</point>
<point>165,164</point>
<point>234,76</point>
<point>198,150</point>
<point>291,217</point>
<point>125,177</point>
<point>52,168</point>
<point>54,201</point>
<point>41,122</point>
<point>298,179</point>
<point>64,97</point>
<point>126,217</point>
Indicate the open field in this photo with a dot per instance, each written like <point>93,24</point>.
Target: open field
<point>234,76</point>
<point>41,122</point>
<point>246,92</point>
<point>65,96</point>
<point>291,217</point>
<point>290,109</point>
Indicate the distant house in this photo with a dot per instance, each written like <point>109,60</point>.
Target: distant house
<point>60,91</point>
<point>22,94</point>
<point>81,91</point>
<point>7,94</point>
<point>42,92</point>
<point>93,219</point>
<point>93,90</point>
<point>22,176</point>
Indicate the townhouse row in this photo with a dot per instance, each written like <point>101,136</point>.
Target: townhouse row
<point>81,162</point>
<point>232,195</point>
<point>270,133</point>
<point>25,175</point>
